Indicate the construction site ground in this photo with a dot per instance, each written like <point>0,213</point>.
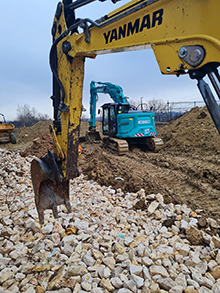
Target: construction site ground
<point>185,170</point>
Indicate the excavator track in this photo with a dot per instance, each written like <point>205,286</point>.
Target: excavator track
<point>154,143</point>
<point>118,145</point>
<point>121,146</point>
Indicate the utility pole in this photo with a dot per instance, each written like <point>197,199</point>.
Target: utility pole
<point>141,103</point>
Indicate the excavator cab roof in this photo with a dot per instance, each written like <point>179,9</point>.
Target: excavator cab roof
<point>122,107</point>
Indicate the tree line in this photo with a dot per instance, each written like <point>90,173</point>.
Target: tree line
<point>27,116</point>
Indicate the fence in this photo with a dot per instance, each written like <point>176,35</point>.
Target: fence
<point>176,109</point>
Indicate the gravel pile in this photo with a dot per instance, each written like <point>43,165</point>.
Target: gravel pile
<point>107,244</point>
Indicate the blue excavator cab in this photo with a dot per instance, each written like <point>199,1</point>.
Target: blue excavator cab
<point>121,121</point>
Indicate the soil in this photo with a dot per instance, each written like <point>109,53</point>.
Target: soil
<point>185,170</point>
<point>26,135</point>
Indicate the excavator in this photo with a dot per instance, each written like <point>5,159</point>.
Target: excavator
<point>122,124</point>
<point>185,39</point>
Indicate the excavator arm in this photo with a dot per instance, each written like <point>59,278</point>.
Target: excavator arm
<point>185,38</point>
<point>114,91</point>
<point>183,35</point>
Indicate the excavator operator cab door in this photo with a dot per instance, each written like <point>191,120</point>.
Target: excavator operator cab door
<point>109,125</point>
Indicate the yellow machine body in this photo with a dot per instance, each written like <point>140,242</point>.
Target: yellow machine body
<point>6,131</point>
<point>6,128</point>
<point>184,36</point>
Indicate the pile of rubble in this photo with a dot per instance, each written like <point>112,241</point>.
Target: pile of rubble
<point>105,245</point>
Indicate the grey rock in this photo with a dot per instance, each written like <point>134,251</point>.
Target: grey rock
<point>166,283</point>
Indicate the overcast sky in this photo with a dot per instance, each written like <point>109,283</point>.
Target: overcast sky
<point>25,76</point>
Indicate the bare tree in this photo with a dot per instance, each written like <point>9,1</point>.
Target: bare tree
<point>134,103</point>
<point>27,116</point>
<point>43,117</point>
<point>158,106</point>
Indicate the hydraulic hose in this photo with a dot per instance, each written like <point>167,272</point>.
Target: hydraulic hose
<point>52,66</point>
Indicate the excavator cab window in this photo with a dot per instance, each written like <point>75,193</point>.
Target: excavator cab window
<point>123,108</point>
<point>112,114</point>
<point>105,122</point>
<point>112,121</point>
<point>109,120</point>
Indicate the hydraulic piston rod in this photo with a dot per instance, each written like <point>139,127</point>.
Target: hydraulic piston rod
<point>209,98</point>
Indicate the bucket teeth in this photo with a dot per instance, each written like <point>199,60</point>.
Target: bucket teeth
<point>49,187</point>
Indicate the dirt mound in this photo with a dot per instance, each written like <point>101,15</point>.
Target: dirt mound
<point>106,169</point>
<point>193,133</point>
<point>36,140</point>
<point>40,146</point>
<point>26,135</point>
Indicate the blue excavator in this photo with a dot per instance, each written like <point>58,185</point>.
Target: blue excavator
<point>123,125</point>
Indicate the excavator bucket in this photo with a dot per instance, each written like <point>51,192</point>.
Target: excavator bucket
<point>49,187</point>
<point>92,136</point>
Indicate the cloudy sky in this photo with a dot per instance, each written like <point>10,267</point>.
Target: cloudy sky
<point>25,76</point>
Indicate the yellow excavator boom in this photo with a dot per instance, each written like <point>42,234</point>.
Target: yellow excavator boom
<point>185,38</point>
